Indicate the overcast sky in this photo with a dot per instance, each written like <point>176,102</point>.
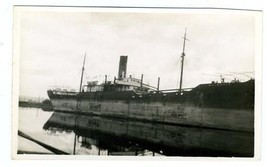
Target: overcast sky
<point>53,43</point>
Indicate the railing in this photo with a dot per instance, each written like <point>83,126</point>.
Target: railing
<point>63,92</point>
<point>174,90</point>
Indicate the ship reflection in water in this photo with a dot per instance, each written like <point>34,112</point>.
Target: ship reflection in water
<point>124,137</point>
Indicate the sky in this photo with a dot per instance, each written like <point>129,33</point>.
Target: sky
<point>53,43</point>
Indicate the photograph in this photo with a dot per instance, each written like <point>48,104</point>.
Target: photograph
<point>127,82</point>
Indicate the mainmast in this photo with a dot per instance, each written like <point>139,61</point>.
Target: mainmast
<point>182,66</point>
<point>82,73</point>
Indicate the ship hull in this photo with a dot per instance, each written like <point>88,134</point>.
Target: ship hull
<point>170,113</point>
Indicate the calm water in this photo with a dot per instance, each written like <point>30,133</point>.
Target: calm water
<point>91,135</point>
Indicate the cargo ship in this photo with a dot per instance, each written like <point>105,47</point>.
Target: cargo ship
<point>213,105</point>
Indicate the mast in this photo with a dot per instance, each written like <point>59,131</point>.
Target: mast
<point>182,61</point>
<point>82,73</point>
<point>77,105</point>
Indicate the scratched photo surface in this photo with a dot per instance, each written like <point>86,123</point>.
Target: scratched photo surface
<point>135,82</point>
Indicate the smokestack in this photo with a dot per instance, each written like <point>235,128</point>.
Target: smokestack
<point>105,79</point>
<point>122,67</point>
<point>158,83</point>
<point>141,81</point>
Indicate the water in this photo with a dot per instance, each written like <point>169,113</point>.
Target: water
<point>91,135</point>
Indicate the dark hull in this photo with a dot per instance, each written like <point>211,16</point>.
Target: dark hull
<point>222,106</point>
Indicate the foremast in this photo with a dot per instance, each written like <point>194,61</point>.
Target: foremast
<point>82,73</point>
<point>81,82</point>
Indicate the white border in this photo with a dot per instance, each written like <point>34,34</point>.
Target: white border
<point>5,70</point>
<point>16,53</point>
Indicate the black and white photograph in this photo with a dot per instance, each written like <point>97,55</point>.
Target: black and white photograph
<point>129,82</point>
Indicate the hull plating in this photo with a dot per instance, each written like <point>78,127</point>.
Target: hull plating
<point>219,118</point>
